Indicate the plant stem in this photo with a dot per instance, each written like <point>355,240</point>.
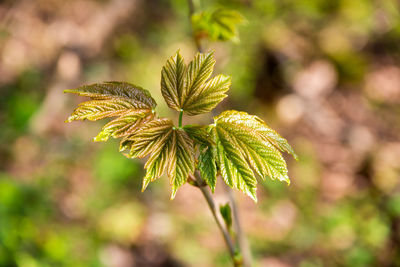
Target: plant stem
<point>241,237</point>
<point>195,38</point>
<point>180,118</point>
<point>211,204</point>
<point>242,242</point>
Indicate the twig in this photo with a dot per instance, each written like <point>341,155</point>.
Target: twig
<point>211,205</point>
<point>196,180</point>
<point>241,237</point>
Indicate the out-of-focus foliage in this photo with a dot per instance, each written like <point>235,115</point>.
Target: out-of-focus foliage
<point>325,74</point>
<point>217,25</point>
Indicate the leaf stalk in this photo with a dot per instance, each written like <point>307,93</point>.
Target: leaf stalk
<point>180,118</point>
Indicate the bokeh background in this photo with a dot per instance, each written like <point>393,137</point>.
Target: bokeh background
<point>325,74</point>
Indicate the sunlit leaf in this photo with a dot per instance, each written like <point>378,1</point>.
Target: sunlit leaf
<point>263,130</point>
<point>217,25</point>
<point>235,145</point>
<point>208,96</point>
<point>122,126</point>
<point>207,165</point>
<point>131,104</point>
<point>149,137</point>
<point>182,162</point>
<point>190,89</point>
<point>233,166</point>
<point>198,72</point>
<point>170,150</point>
<point>244,142</point>
<point>173,81</point>
<point>199,134</point>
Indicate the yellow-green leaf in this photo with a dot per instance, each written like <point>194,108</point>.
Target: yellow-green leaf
<point>170,149</point>
<point>233,166</point>
<point>208,96</point>
<point>252,122</point>
<point>190,89</point>
<point>198,72</point>
<point>99,109</point>
<point>245,141</point>
<point>173,81</point>
<point>130,103</point>
<point>122,126</point>
<point>198,134</point>
<point>207,165</point>
<point>149,137</point>
<point>181,161</point>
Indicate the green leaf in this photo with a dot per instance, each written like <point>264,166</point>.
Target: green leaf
<point>170,150</point>
<point>181,162</point>
<point>148,138</point>
<point>208,96</point>
<point>190,88</point>
<point>198,72</point>
<point>159,160</point>
<point>226,213</point>
<point>99,109</point>
<point>233,166</point>
<point>207,165</point>
<point>245,141</point>
<point>265,132</point>
<point>131,104</point>
<point>122,126</point>
<point>199,134</point>
<point>218,25</point>
<point>173,81</point>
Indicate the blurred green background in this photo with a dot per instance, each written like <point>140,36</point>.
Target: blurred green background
<point>325,74</point>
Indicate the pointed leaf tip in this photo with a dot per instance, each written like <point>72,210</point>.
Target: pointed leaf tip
<point>173,193</point>
<point>245,142</point>
<point>189,88</point>
<point>169,151</point>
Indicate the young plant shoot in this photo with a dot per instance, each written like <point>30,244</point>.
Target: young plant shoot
<point>236,145</point>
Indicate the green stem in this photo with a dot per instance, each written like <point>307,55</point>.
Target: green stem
<point>180,118</point>
<point>211,204</point>
<point>199,182</point>
<point>241,237</point>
